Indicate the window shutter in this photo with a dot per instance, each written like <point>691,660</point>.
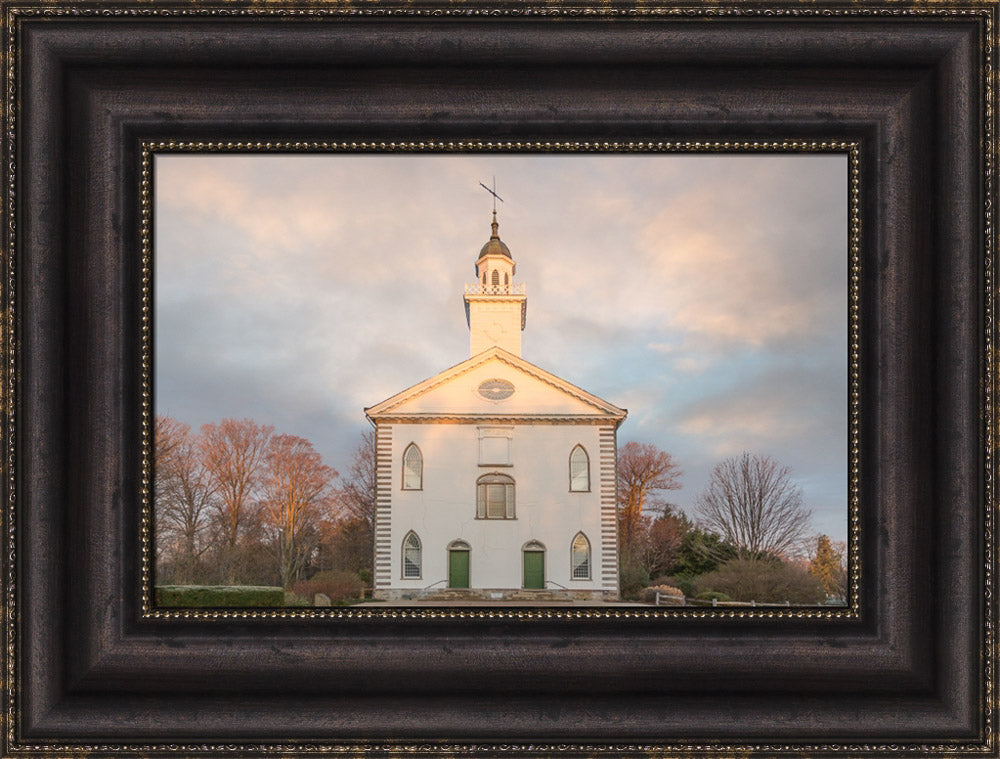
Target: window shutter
<point>495,497</point>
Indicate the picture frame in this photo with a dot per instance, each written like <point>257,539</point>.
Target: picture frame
<point>910,667</point>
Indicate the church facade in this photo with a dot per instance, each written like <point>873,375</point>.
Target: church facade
<point>496,479</point>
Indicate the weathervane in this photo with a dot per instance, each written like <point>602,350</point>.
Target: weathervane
<point>493,192</point>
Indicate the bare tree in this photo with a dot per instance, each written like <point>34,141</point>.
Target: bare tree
<point>358,493</point>
<point>643,470</point>
<point>297,494</point>
<point>233,451</point>
<point>351,539</point>
<point>753,504</point>
<point>182,493</point>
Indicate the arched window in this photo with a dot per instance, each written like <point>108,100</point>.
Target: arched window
<point>484,276</point>
<point>413,468</point>
<point>495,497</point>
<point>496,278</point>
<point>579,470</point>
<point>506,279</point>
<point>579,557</point>
<point>411,557</point>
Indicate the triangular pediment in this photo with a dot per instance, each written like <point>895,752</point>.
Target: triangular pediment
<point>476,388</point>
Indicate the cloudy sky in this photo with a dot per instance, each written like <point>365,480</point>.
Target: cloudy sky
<point>707,294</point>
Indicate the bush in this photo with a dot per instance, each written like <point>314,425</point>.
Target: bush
<point>767,581</point>
<point>632,579</point>
<point>219,595</point>
<point>339,586</point>
<point>684,582</point>
<point>649,594</point>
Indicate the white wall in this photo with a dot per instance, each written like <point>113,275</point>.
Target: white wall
<point>494,320</point>
<point>546,511</point>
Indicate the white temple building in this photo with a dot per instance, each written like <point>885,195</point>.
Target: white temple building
<point>496,479</point>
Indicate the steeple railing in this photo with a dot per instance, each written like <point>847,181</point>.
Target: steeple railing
<point>477,289</point>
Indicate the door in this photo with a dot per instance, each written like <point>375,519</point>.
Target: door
<point>534,569</point>
<point>458,569</point>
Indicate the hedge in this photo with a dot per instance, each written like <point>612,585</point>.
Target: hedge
<point>219,595</point>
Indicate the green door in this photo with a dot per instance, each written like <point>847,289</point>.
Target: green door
<point>534,569</point>
<point>458,569</point>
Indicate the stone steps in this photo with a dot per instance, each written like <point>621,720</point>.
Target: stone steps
<point>463,594</point>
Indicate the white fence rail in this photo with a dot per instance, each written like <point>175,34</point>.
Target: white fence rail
<point>517,289</point>
<point>673,600</point>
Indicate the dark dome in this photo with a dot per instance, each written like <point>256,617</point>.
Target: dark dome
<point>495,246</point>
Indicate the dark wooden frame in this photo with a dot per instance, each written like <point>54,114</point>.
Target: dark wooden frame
<point>912,671</point>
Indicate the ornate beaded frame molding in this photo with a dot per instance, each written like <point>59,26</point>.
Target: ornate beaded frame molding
<point>10,353</point>
<point>849,148</point>
<point>567,10</point>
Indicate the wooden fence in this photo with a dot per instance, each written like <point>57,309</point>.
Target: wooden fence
<point>672,600</point>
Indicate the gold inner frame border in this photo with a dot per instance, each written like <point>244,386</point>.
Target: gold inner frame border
<point>850,148</point>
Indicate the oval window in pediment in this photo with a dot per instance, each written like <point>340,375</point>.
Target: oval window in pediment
<point>496,389</point>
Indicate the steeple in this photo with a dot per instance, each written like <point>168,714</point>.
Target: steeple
<point>495,307</point>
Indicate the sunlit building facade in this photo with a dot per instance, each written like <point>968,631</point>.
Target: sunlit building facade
<point>495,478</point>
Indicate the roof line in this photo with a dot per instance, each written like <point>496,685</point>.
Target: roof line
<point>506,357</point>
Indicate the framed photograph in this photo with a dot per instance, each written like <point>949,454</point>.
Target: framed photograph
<point>758,245</point>
<point>320,445</point>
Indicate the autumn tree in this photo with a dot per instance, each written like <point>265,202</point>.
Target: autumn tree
<point>752,503</point>
<point>827,566</point>
<point>296,488</point>
<point>643,472</point>
<point>233,451</point>
<point>660,540</point>
<point>182,493</point>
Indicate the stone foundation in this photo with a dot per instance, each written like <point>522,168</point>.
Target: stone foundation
<point>494,595</point>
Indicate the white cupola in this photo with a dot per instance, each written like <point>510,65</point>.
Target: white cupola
<point>495,307</point>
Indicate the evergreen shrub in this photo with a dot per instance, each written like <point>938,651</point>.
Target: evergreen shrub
<point>632,579</point>
<point>219,596</point>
